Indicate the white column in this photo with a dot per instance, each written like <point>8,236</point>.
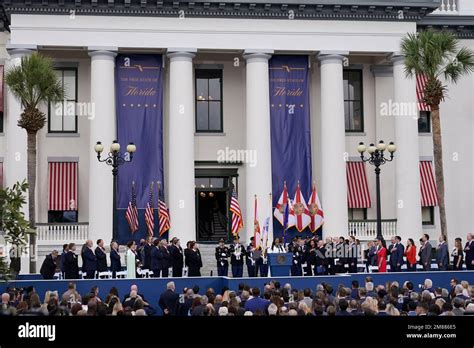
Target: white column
<point>407,159</point>
<point>16,144</point>
<point>181,145</point>
<point>102,128</point>
<point>16,156</point>
<point>333,149</point>
<point>259,176</point>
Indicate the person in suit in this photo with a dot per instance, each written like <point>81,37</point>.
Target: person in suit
<point>329,246</point>
<point>410,254</point>
<point>140,252</point>
<point>193,260</point>
<point>176,253</point>
<point>396,251</point>
<point>168,301</point>
<point>425,252</point>
<point>469,252</point>
<point>370,255</point>
<point>457,254</point>
<point>256,303</point>
<point>89,261</point>
<point>156,259</point>
<point>237,252</point>
<point>115,263</point>
<point>249,258</point>
<point>147,248</point>
<point>296,249</point>
<point>381,256</point>
<point>48,268</point>
<point>222,256</point>
<point>101,256</point>
<point>63,258</point>
<point>310,257</point>
<point>320,267</point>
<point>165,258</point>
<point>352,255</point>
<point>442,254</point>
<point>71,267</point>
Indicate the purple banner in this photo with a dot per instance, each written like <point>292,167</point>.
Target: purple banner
<point>290,129</point>
<point>139,96</point>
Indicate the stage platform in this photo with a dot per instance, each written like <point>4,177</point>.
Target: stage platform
<point>151,288</point>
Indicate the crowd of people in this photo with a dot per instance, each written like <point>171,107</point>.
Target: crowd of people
<point>368,299</point>
<point>310,256</point>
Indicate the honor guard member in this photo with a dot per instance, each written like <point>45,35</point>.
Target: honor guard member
<point>249,258</point>
<point>237,253</point>
<point>296,249</point>
<point>262,263</point>
<point>222,255</point>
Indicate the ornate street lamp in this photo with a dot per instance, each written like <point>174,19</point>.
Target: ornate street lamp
<point>115,158</point>
<point>377,158</point>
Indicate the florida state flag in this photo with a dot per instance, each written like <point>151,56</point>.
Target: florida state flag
<point>315,210</point>
<point>279,212</point>
<point>300,210</point>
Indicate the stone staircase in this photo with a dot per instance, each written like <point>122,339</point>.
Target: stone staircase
<point>209,261</point>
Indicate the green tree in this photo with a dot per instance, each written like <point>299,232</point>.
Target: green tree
<point>13,224</point>
<point>439,56</point>
<point>34,83</point>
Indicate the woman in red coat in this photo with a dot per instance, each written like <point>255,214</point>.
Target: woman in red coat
<point>381,256</point>
<point>410,253</point>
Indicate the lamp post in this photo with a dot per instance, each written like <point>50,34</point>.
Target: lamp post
<point>377,158</point>
<point>115,158</point>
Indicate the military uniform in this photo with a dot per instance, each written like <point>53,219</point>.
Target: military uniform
<point>222,255</point>
<point>237,253</point>
<point>297,252</point>
<point>250,261</point>
<point>262,264</point>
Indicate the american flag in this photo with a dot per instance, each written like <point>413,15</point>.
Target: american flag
<point>237,221</point>
<point>421,80</point>
<point>149,215</point>
<point>164,217</point>
<point>132,212</point>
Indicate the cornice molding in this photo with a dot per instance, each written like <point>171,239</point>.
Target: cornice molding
<point>461,26</point>
<point>366,10</point>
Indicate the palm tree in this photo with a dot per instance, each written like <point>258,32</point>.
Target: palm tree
<point>438,56</point>
<point>34,83</point>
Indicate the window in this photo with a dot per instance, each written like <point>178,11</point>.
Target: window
<point>63,192</point>
<point>209,100</point>
<point>353,108</point>
<point>62,216</point>
<point>62,116</point>
<point>357,213</point>
<point>427,215</point>
<point>424,122</point>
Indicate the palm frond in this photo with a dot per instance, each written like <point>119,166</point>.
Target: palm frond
<point>34,81</point>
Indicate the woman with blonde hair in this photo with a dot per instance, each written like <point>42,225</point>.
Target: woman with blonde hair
<point>117,308</point>
<point>392,310</point>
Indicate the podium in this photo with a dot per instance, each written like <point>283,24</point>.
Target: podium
<point>280,264</point>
